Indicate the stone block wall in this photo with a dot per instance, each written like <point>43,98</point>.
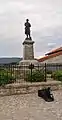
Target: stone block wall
<point>26,88</point>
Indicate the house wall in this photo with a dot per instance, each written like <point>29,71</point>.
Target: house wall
<point>57,59</point>
<point>54,67</point>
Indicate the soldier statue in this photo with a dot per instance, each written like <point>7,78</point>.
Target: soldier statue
<point>27,29</point>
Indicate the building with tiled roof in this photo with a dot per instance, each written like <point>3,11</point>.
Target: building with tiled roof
<point>55,56</point>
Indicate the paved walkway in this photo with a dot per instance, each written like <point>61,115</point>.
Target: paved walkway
<point>30,107</point>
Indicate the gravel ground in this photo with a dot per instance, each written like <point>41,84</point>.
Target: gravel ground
<point>30,107</point>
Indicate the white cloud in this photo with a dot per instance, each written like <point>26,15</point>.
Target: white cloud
<point>45,17</point>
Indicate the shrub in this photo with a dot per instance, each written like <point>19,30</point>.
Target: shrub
<point>48,71</point>
<point>57,75</point>
<point>37,76</point>
<point>5,77</point>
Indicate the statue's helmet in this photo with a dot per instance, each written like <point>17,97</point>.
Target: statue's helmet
<point>27,19</point>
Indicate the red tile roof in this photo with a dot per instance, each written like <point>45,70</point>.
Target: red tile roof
<point>54,53</point>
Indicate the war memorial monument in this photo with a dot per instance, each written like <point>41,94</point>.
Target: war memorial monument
<point>28,49</point>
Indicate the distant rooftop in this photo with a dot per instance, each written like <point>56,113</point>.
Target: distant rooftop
<point>55,51</point>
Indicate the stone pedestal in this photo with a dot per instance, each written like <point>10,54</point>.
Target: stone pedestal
<point>28,58</point>
<point>28,62</point>
<point>28,51</point>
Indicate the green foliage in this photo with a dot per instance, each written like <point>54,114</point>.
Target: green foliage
<point>48,71</point>
<point>57,75</point>
<point>6,77</point>
<point>37,76</point>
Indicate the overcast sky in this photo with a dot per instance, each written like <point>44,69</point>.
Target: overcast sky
<point>45,17</point>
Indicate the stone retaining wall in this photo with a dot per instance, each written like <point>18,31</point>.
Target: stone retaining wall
<point>25,88</point>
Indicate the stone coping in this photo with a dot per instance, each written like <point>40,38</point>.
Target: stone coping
<point>26,88</point>
<point>28,42</point>
<point>16,85</point>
